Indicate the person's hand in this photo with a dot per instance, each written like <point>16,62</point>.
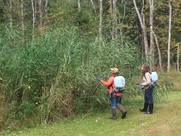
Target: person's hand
<point>99,78</point>
<point>140,86</point>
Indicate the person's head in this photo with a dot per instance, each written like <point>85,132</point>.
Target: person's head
<point>145,68</point>
<point>115,71</point>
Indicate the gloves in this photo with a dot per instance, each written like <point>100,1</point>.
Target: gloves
<point>140,86</point>
<point>99,78</point>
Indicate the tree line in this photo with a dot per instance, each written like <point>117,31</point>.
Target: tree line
<point>154,25</point>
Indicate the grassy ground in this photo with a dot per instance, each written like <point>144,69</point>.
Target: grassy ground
<point>164,122</point>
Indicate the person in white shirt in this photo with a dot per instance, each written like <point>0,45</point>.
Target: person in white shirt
<point>146,84</point>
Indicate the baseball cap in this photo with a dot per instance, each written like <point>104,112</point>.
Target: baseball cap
<point>114,70</point>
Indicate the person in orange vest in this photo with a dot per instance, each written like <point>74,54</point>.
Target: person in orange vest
<point>115,97</point>
<point>148,94</point>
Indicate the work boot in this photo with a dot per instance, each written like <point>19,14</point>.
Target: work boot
<point>124,115</point>
<point>150,109</point>
<point>113,114</point>
<point>144,108</point>
<point>123,111</point>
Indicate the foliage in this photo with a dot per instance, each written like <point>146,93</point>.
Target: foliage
<point>54,76</point>
<point>51,74</point>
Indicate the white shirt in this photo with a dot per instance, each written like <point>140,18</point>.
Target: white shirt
<point>146,79</point>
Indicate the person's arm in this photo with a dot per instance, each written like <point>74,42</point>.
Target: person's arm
<point>148,79</point>
<point>108,82</point>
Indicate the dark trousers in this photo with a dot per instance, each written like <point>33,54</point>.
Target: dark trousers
<point>149,95</point>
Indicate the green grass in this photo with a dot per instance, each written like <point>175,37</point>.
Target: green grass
<point>164,122</point>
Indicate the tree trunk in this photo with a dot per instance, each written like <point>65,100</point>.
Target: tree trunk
<point>22,16</point>
<point>100,20</point>
<point>33,18</point>
<point>159,52</point>
<point>169,34</point>
<point>40,14</point>
<point>111,12</point>
<point>120,21</point>
<point>46,7</point>
<point>178,56</point>
<point>36,9</point>
<point>93,5</point>
<point>10,14</point>
<point>144,31</point>
<point>141,18</point>
<point>78,2</point>
<point>151,33</point>
<point>114,20</point>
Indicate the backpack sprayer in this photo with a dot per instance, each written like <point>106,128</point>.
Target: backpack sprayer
<point>119,84</point>
<point>154,79</point>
